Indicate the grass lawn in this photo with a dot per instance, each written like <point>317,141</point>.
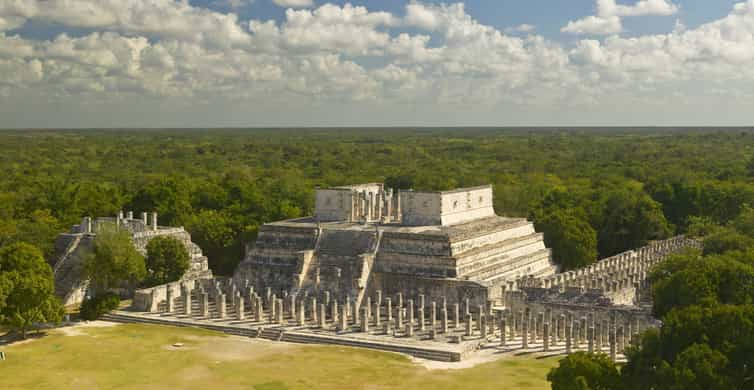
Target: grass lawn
<point>142,357</point>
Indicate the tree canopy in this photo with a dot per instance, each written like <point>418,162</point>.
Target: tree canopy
<point>26,288</point>
<point>114,261</point>
<point>167,260</point>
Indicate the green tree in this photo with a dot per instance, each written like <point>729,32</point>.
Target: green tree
<point>114,261</point>
<point>215,233</point>
<point>631,218</point>
<point>725,240</point>
<point>167,260</point>
<point>585,371</point>
<point>27,283</point>
<point>572,239</point>
<point>691,279</point>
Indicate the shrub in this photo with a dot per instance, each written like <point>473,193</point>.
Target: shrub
<point>94,308</point>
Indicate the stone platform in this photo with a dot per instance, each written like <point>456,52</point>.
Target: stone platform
<point>409,330</point>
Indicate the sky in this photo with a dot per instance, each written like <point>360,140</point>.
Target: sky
<point>291,63</point>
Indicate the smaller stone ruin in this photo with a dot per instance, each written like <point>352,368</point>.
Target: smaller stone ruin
<point>71,250</point>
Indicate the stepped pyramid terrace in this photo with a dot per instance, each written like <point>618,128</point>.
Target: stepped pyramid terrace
<point>365,238</point>
<point>436,275</point>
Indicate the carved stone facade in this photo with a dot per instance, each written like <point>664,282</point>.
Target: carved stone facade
<point>364,238</point>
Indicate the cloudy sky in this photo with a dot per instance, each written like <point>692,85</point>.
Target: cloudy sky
<point>197,63</point>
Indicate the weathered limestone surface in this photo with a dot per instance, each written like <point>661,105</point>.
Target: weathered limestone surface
<point>364,238</point>
<point>72,248</point>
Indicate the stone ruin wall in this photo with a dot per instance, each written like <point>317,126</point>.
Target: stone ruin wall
<point>72,248</point>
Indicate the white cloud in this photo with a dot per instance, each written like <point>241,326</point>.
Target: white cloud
<point>232,4</point>
<point>294,3</point>
<point>609,14</point>
<point>522,28</point>
<point>594,25</point>
<point>333,56</point>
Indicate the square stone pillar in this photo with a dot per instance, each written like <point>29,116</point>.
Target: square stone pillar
<point>205,305</point>
<point>469,325</point>
<point>322,319</point>
<point>410,312</point>
<point>444,318</point>
<point>433,316</point>
<point>545,337</point>
<point>187,303</point>
<point>301,313</point>
<point>169,298</point>
<point>343,324</point>
<point>389,310</point>
<point>221,306</point>
<point>260,309</point>
<point>314,309</point>
<point>280,312</point>
<point>377,314</point>
<point>240,309</point>
<point>502,330</point>
<point>456,316</point>
<point>334,312</point>
<point>365,320</point>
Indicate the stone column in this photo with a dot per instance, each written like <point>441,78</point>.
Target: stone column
<point>314,309</point>
<point>576,334</point>
<point>240,314</point>
<point>389,310</point>
<point>483,325</point>
<point>590,339</point>
<point>444,319</point>
<point>545,337</point>
<point>620,342</point>
<point>409,330</point>
<point>399,317</point>
<point>422,327</point>
<point>221,306</point>
<point>598,336</point>
<point>433,316</point>
<point>205,305</point>
<point>273,307</point>
<point>368,307</point>
<point>280,312</point>
<point>611,340</point>
<point>469,325</point>
<point>292,297</point>
<point>334,312</point>
<point>479,315</point>
<point>568,337</point>
<point>582,330</point>
<point>410,312</point>
<point>525,333</point>
<point>170,300</point>
<point>322,318</point>
<point>365,320</point>
<point>260,309</point>
<point>301,313</point>
<point>540,325</point>
<point>343,318</point>
<point>456,317</point>
<point>502,329</point>
<point>187,302</point>
<point>377,314</point>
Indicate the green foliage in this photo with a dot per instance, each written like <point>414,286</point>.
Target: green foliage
<point>26,288</point>
<point>630,219</point>
<point>725,240</point>
<point>690,279</point>
<point>93,308</point>
<point>697,348</point>
<point>167,260</point>
<point>585,371</point>
<point>113,261</point>
<point>215,233</point>
<point>573,241</point>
